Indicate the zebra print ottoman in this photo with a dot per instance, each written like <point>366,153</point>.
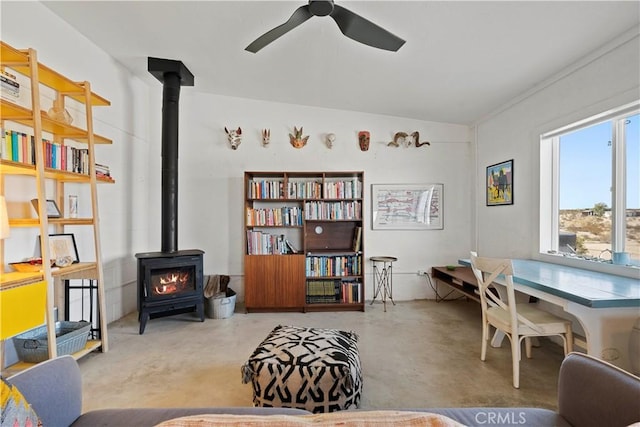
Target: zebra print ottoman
<point>306,368</point>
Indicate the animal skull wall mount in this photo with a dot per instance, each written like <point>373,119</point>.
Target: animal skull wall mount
<point>266,137</point>
<point>296,139</point>
<point>234,137</point>
<point>331,138</point>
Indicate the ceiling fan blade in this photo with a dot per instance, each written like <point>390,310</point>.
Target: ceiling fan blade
<point>299,16</point>
<point>364,31</point>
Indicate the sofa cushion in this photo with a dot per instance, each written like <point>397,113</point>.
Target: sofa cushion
<point>306,368</point>
<point>344,419</point>
<point>146,417</point>
<point>16,411</point>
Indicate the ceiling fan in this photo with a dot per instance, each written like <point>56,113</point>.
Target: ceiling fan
<point>352,25</point>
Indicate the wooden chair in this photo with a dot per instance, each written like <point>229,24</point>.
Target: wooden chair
<point>518,321</point>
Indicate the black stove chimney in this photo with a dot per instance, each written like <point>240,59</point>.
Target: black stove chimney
<point>172,74</point>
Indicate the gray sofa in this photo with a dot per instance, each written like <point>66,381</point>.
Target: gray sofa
<point>590,393</point>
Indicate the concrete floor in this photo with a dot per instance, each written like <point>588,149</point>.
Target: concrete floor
<point>419,354</point>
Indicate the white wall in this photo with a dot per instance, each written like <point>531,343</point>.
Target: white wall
<point>211,211</point>
<point>211,174</point>
<point>607,78</point>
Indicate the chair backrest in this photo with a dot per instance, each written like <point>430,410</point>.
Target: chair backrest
<point>486,271</point>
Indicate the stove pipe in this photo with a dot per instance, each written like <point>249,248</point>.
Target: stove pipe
<point>172,74</point>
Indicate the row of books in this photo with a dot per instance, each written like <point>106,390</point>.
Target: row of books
<point>19,147</point>
<point>333,210</point>
<point>304,190</point>
<point>307,189</point>
<point>264,189</point>
<point>259,243</point>
<point>286,216</point>
<point>333,265</point>
<point>350,189</point>
<point>333,291</point>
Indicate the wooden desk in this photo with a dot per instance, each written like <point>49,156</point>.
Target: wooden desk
<point>605,305</point>
<point>461,279</point>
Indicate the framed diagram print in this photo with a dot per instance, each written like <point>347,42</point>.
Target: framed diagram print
<point>407,206</point>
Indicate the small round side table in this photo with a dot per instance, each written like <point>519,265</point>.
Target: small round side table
<point>383,278</point>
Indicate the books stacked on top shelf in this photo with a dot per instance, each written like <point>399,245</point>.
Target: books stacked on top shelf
<point>264,189</point>
<point>343,189</point>
<point>9,86</point>
<point>304,190</point>
<point>333,210</point>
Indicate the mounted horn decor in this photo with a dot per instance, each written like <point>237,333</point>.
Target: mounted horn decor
<point>416,139</point>
<point>406,140</point>
<point>400,138</point>
<point>296,139</point>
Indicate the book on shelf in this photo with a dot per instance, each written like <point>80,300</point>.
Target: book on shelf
<point>292,248</point>
<point>9,86</point>
<point>357,238</point>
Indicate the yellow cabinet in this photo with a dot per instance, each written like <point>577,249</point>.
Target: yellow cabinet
<point>23,303</point>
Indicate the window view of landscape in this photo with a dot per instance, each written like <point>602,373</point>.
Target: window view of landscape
<point>585,198</point>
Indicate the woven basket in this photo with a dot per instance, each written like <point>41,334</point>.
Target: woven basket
<point>33,346</point>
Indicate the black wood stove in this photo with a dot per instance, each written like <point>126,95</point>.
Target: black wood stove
<point>170,281</point>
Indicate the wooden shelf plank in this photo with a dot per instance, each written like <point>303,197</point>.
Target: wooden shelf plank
<point>33,222</point>
<point>92,345</point>
<point>18,60</point>
<point>17,168</point>
<point>22,115</point>
<point>16,278</point>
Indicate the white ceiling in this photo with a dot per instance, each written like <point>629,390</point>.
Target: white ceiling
<point>461,60</point>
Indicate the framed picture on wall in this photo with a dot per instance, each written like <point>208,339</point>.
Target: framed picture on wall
<point>500,184</point>
<point>407,206</point>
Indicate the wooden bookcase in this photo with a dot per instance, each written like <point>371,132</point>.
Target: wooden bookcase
<point>304,241</point>
<point>36,166</point>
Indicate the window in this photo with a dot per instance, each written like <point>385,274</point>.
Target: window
<point>590,188</point>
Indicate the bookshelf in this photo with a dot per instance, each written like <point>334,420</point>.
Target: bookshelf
<point>304,241</point>
<point>48,151</point>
